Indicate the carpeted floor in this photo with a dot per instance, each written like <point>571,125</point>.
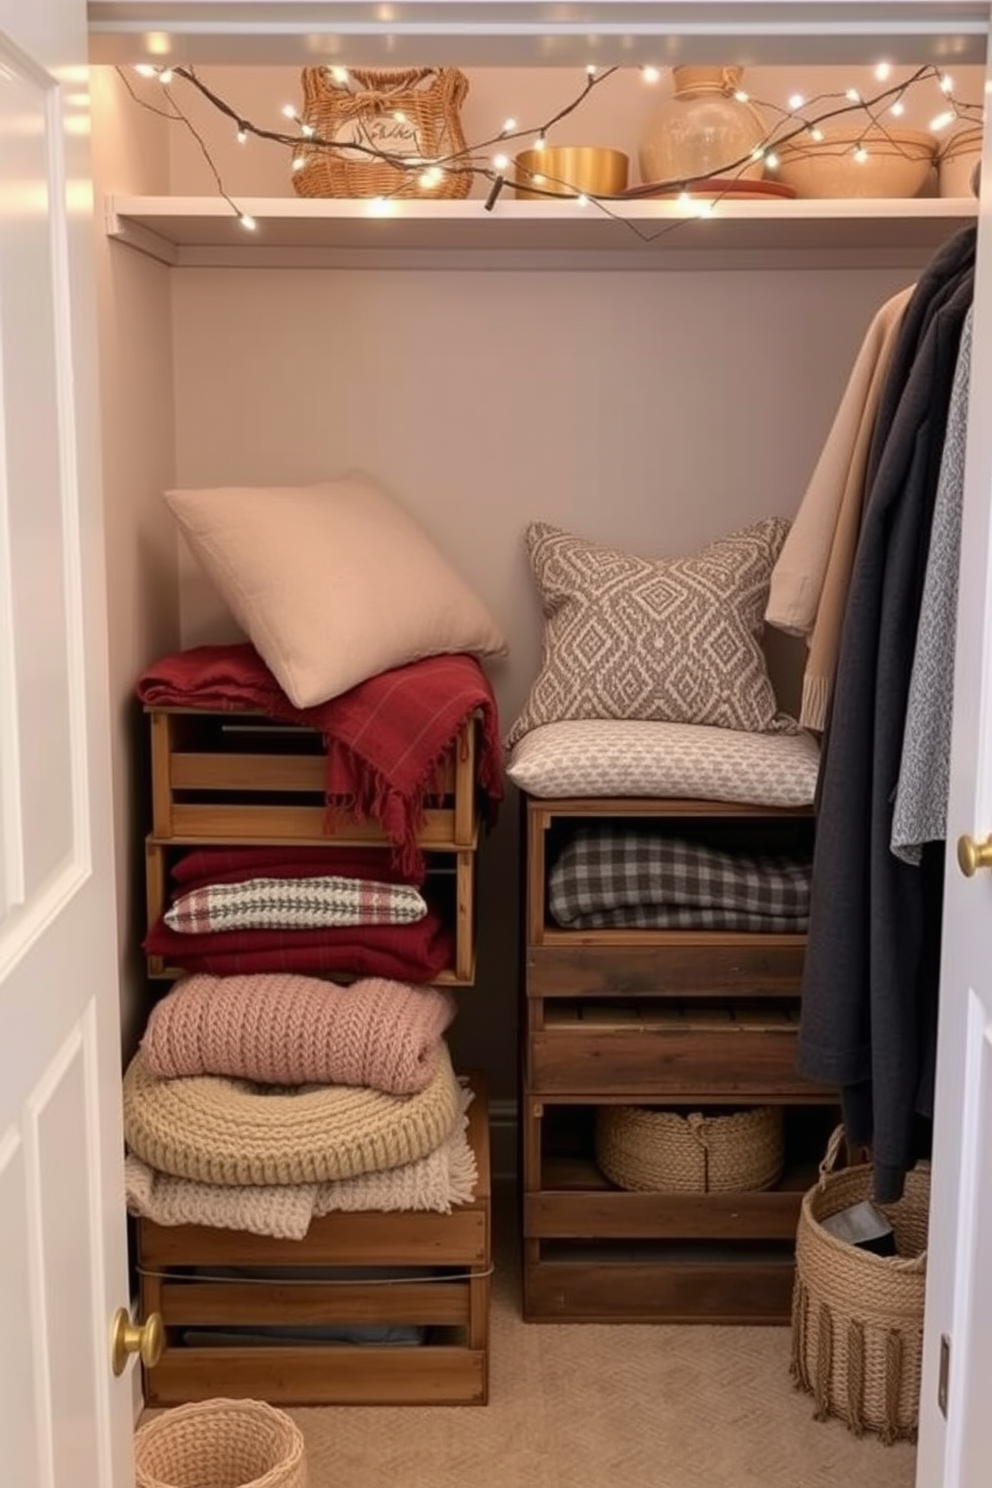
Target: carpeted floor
<point>604,1407</point>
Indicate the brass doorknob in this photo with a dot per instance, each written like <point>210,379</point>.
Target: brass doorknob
<point>145,1339</point>
<point>973,855</point>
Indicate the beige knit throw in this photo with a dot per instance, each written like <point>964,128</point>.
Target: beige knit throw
<point>445,1177</point>
<point>216,1130</point>
<point>287,1029</point>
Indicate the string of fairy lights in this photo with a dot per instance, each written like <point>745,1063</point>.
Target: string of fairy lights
<point>874,115</point>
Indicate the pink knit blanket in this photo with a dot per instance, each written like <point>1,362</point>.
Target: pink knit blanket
<point>286,1029</point>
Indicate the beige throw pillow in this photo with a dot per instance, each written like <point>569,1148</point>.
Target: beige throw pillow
<point>667,639</point>
<point>332,583</point>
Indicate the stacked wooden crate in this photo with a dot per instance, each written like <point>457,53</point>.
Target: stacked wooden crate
<point>681,1019</point>
<point>222,778</point>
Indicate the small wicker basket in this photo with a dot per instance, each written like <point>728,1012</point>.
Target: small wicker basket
<point>857,1318</point>
<point>220,1444</point>
<point>638,1147</point>
<point>397,132</point>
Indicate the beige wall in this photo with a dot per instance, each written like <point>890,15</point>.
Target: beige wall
<point>130,153</point>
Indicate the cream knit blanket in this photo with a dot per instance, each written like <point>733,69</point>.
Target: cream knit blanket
<point>287,1029</point>
<point>216,1130</point>
<point>445,1177</point>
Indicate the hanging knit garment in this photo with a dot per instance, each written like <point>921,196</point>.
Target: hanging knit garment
<point>286,1029</point>
<point>218,1130</point>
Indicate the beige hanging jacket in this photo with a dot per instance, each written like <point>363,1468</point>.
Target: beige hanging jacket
<point>809,583</point>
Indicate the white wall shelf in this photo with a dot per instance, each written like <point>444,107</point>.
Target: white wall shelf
<point>294,232</point>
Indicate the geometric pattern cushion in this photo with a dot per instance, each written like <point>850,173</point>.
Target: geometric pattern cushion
<point>673,640</point>
<point>668,760</point>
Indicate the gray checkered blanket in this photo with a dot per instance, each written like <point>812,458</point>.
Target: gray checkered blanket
<point>609,877</point>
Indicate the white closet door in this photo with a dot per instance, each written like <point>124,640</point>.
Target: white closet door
<point>64,1421</point>
<point>956,1451</point>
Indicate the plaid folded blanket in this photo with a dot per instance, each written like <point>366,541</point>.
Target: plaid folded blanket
<point>685,917</point>
<point>295,904</point>
<point>617,871</point>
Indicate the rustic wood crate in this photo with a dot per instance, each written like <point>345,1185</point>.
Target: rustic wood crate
<point>457,893</point>
<point>240,777</point>
<point>595,1252</point>
<point>683,1018</point>
<point>452,1256</point>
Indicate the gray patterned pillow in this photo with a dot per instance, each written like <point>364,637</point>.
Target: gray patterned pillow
<point>675,640</point>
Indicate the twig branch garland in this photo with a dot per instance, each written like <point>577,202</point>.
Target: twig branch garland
<point>802,118</point>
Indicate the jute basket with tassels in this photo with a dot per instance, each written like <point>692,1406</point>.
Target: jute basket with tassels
<point>220,1444</point>
<point>410,118</point>
<point>665,1152</point>
<point>857,1318</point>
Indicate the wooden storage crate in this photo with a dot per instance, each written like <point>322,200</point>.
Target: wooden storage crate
<point>241,777</point>
<point>731,1053</point>
<point>683,1018</point>
<point>595,1252</point>
<point>458,895</point>
<point>450,1297</point>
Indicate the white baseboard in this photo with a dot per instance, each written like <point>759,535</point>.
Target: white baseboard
<point>503,1140</point>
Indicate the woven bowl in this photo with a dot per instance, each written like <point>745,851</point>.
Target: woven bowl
<point>896,162</point>
<point>220,1444</point>
<point>638,1147</point>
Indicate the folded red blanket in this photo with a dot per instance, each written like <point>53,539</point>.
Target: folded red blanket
<point>385,738</point>
<point>407,953</point>
<point>203,866</point>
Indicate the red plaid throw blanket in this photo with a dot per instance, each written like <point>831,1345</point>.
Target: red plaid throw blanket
<point>385,738</point>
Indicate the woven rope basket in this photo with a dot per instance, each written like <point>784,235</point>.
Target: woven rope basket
<point>664,1151</point>
<point>410,115</point>
<point>857,1318</point>
<point>220,1444</point>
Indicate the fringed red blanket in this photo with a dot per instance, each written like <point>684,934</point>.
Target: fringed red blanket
<point>386,738</point>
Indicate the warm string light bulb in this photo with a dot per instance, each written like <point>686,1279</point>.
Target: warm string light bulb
<point>340,75</point>
<point>540,142</point>
<point>816,135</point>
<point>771,160</point>
<point>288,111</point>
<point>591,70</point>
<point>307,130</point>
<point>941,121</point>
<point>898,108</point>
<point>501,162</point>
<point>946,84</point>
<point>883,71</point>
<point>509,126</point>
<point>242,135</point>
<point>247,222</point>
<point>796,102</point>
<point>650,74</point>
<point>861,154</point>
<point>146,70</point>
<point>852,95</point>
<point>165,76</point>
<point>742,97</point>
<point>299,162</point>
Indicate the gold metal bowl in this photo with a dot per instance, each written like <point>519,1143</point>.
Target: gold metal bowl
<point>569,171</point>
